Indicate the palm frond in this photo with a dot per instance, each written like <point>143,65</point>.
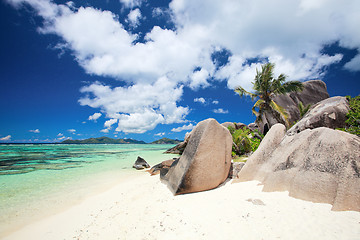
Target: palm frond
<point>263,80</point>
<point>267,71</point>
<point>257,81</point>
<point>259,104</point>
<point>303,109</point>
<point>280,110</point>
<point>282,78</point>
<point>242,92</point>
<point>277,83</point>
<point>291,86</point>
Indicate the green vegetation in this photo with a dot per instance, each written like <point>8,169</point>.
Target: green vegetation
<point>265,87</point>
<point>353,116</point>
<point>303,109</point>
<point>244,141</point>
<point>240,159</point>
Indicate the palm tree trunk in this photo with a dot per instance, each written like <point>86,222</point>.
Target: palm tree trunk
<point>272,117</point>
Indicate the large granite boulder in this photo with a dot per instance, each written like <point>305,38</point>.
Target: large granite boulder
<point>205,162</point>
<point>267,146</point>
<point>314,91</point>
<point>329,113</point>
<point>140,164</point>
<point>319,165</point>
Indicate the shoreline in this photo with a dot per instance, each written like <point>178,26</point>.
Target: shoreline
<point>141,207</point>
<point>51,189</point>
<point>56,203</point>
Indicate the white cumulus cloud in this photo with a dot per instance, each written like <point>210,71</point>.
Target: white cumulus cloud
<point>290,34</point>
<point>94,117</point>
<point>160,12</point>
<point>140,107</point>
<point>354,64</point>
<point>110,122</point>
<point>61,138</point>
<point>7,138</point>
<point>200,100</point>
<point>134,17</point>
<point>183,128</point>
<point>246,29</point>
<point>199,79</point>
<point>220,110</point>
<point>35,131</point>
<point>71,131</point>
<point>159,134</point>
<point>132,3</point>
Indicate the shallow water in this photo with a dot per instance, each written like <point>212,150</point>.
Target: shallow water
<point>38,180</point>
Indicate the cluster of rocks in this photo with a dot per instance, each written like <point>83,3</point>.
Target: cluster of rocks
<point>330,113</point>
<point>314,91</point>
<point>205,162</point>
<point>312,160</point>
<point>319,165</point>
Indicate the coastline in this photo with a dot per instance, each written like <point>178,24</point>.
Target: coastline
<point>60,201</point>
<point>141,207</point>
<point>51,189</point>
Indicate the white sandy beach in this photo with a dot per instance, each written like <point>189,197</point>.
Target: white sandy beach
<point>143,208</point>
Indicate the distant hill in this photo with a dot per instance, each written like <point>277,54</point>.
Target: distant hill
<point>166,141</point>
<point>103,140</point>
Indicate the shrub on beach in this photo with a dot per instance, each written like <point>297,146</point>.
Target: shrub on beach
<point>353,116</point>
<point>244,141</point>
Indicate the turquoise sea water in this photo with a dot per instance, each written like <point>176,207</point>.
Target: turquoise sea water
<point>38,180</point>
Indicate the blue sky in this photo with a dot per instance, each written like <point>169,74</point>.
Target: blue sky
<point>147,69</point>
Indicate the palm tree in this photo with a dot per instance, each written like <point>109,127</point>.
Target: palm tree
<point>303,109</point>
<point>265,87</point>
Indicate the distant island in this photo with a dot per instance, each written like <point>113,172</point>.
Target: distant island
<point>107,140</point>
<point>166,141</point>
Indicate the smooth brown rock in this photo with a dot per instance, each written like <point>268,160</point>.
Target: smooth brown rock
<point>158,167</point>
<point>330,113</point>
<point>319,165</point>
<point>229,124</point>
<point>266,147</point>
<point>205,162</point>
<point>178,149</point>
<point>314,91</point>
